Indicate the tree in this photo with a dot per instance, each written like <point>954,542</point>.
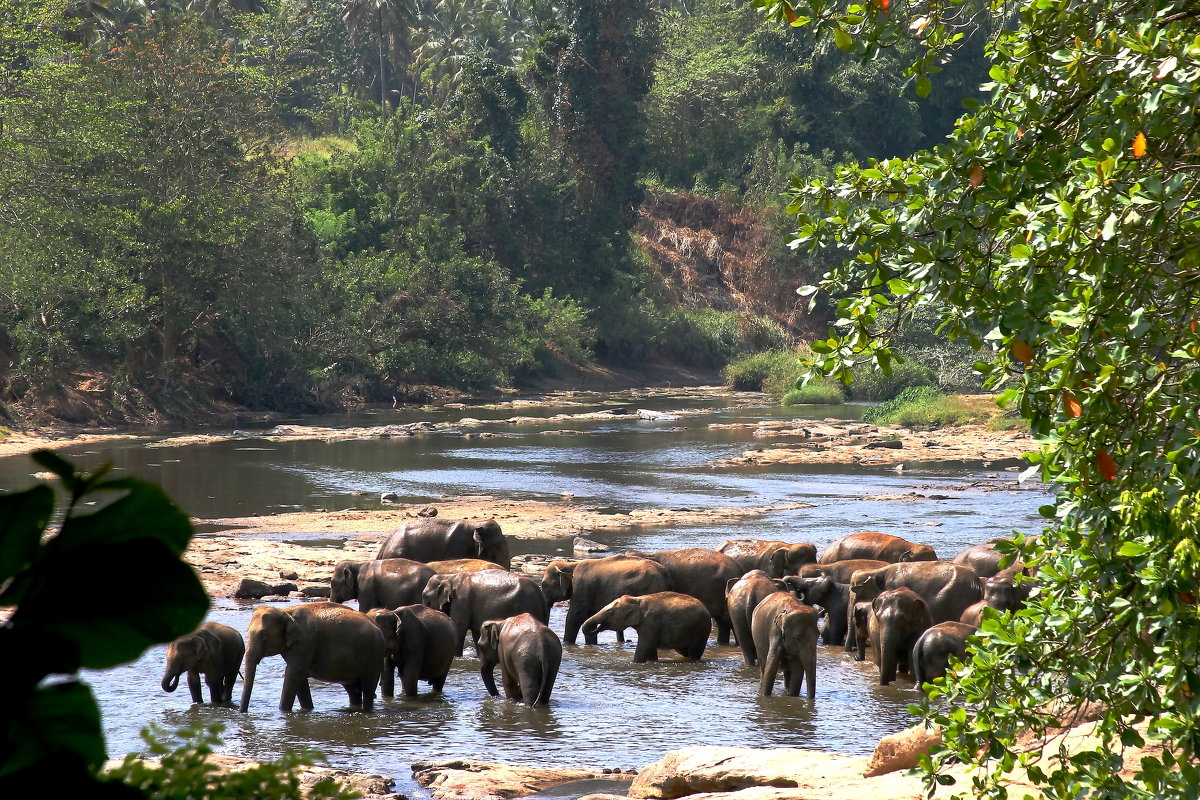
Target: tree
<point>1058,227</point>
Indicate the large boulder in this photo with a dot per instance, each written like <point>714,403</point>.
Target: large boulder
<point>901,750</point>
<point>697,770</point>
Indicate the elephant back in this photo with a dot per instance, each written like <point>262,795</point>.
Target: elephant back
<point>947,589</point>
<point>429,540</point>
<point>597,582</point>
<point>429,636</point>
<point>392,582</point>
<point>877,546</point>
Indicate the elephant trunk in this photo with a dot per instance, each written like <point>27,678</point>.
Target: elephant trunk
<point>170,681</point>
<point>888,642</point>
<point>253,656</point>
<point>487,671</point>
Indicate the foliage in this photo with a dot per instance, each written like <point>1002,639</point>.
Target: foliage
<point>816,393</point>
<point>771,371</point>
<point>708,338</point>
<point>50,733</point>
<point>873,384</point>
<point>926,406</point>
<point>1060,220</point>
<point>184,770</point>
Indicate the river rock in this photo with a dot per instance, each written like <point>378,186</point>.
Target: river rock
<point>427,511</point>
<point>317,590</point>
<point>655,416</point>
<point>901,750</point>
<point>461,779</point>
<point>698,770</point>
<point>586,547</point>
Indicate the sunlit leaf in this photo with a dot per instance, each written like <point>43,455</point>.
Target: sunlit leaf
<point>976,177</point>
<point>1022,352</point>
<point>1165,67</point>
<point>1106,465</point>
<point>1070,404</point>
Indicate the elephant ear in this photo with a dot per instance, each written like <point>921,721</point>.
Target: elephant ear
<point>489,634</point>
<point>386,621</point>
<point>793,584</point>
<point>293,633</point>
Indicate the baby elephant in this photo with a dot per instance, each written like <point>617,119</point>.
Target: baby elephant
<point>529,654</point>
<point>672,620</point>
<point>215,650</point>
<point>785,636</point>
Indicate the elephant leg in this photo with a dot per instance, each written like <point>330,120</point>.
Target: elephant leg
<point>409,681</point>
<point>746,643</point>
<point>216,687</point>
<point>369,683</point>
<point>769,669</point>
<point>574,623</point>
<point>810,672</point>
<point>387,679</point>
<point>512,685</point>
<point>724,628</point>
<point>792,675</point>
<point>436,684</point>
<point>620,636</point>
<point>304,693</point>
<point>353,693</point>
<point>194,686</point>
<point>647,648</point>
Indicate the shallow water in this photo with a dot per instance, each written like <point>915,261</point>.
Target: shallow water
<point>606,711</point>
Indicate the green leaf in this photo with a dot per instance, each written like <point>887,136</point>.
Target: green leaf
<point>60,721</point>
<point>53,462</point>
<point>1132,549</point>
<point>924,86</point>
<point>842,39</point>
<point>144,512</point>
<point>162,599</point>
<point>23,518</point>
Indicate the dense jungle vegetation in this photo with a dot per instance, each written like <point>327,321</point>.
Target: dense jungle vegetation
<point>296,205</point>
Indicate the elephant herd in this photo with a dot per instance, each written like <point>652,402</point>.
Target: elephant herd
<point>433,581</point>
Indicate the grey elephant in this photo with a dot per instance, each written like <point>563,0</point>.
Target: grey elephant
<point>667,620</point>
<point>420,643</point>
<point>773,557</point>
<point>594,583</point>
<point>898,618</point>
<point>434,539</point>
<point>840,571</point>
<point>984,558</point>
<point>785,636</point>
<point>862,627</point>
<point>212,650</point>
<point>326,641</point>
<point>999,592</point>
<point>742,596</point>
<point>877,546</point>
<point>528,653</point>
<point>472,598</point>
<point>383,583</point>
<point>831,596</point>
<point>947,589</point>
<point>703,574</point>
<point>936,647</point>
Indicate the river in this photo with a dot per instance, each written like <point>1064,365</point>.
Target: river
<point>606,711</point>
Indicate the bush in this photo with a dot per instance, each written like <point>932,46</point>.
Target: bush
<point>820,392</point>
<point>913,396</point>
<point>772,371</point>
<point>872,384</point>
<point>925,405</point>
<point>184,770</point>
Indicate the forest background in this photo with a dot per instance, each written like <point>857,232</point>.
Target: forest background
<point>307,205</point>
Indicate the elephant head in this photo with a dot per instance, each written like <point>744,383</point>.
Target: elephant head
<point>488,647</point>
<point>490,544</point>
<point>624,612</point>
<point>343,585</point>
<point>439,593</point>
<point>389,625</point>
<point>1000,593</point>
<point>556,580</point>
<point>272,631</point>
<point>183,654</point>
<point>788,560</point>
<point>919,552</point>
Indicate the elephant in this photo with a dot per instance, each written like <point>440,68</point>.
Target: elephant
<point>999,592</point>
<point>214,650</point>
<point>593,583</point>
<point>383,583</point>
<point>785,632</point>
<point>983,558</point>
<point>830,595</point>
<point>862,627</point>
<point>670,620</point>
<point>472,598</point>
<point>433,539</point>
<point>936,646</point>
<point>877,546</point>
<point>420,644</point>
<point>742,596</point>
<point>772,557</point>
<point>322,640</point>
<point>947,589</point>
<point>840,571</point>
<point>529,655</point>
<point>703,574</point>
<point>898,617</point>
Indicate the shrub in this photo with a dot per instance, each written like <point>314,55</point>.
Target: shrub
<point>925,405</point>
<point>772,371</point>
<point>913,397</point>
<point>819,392</point>
<point>872,384</point>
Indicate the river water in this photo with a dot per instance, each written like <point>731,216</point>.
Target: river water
<point>606,711</point>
